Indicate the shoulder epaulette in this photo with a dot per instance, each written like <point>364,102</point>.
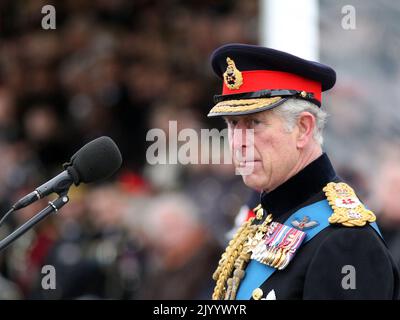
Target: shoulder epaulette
<point>347,208</point>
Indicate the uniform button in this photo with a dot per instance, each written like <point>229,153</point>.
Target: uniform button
<point>257,294</point>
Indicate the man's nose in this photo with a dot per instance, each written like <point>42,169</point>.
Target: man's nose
<point>240,138</point>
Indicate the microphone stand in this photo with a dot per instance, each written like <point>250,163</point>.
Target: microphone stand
<point>53,206</point>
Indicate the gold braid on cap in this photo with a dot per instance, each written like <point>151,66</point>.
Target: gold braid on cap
<point>243,105</point>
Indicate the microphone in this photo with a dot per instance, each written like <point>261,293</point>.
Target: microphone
<point>97,160</point>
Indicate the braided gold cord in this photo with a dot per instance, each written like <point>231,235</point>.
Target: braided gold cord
<point>229,249</point>
<point>229,262</point>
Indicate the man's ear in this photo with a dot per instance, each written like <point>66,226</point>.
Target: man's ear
<point>306,124</point>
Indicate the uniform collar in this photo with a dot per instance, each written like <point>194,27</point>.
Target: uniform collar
<point>299,188</point>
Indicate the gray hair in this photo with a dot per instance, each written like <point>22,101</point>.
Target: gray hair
<point>291,109</point>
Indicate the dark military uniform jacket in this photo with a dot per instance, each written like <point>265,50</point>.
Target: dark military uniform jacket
<point>318,270</point>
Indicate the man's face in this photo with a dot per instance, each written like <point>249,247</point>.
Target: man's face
<point>265,153</point>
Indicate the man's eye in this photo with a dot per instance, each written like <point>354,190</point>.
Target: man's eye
<point>255,122</point>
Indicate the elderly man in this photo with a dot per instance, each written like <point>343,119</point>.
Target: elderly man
<point>311,237</point>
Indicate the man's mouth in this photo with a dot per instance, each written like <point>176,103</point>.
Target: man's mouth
<point>248,163</point>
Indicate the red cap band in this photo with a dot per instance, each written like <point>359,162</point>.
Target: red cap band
<point>268,80</point>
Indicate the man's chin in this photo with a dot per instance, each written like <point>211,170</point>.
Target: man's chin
<point>252,182</point>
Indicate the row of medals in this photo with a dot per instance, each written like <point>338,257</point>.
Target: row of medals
<point>273,256</point>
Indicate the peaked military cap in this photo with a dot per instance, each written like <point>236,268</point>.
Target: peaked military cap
<point>257,78</point>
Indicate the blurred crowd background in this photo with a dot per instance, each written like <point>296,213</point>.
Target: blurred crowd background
<point>121,67</point>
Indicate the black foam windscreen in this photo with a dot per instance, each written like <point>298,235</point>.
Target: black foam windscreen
<point>96,160</point>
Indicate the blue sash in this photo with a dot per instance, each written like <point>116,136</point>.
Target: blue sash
<point>257,273</point>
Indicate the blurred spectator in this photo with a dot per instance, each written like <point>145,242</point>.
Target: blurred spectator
<point>386,190</point>
<point>181,252</point>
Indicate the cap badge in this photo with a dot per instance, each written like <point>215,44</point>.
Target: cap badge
<point>347,208</point>
<point>232,76</point>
